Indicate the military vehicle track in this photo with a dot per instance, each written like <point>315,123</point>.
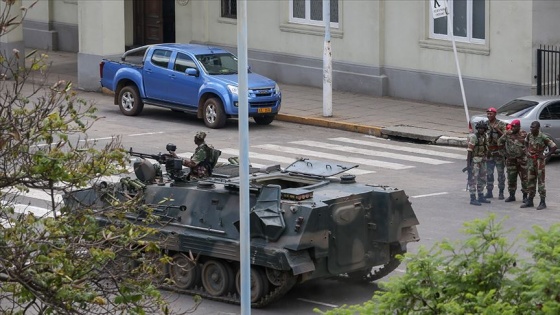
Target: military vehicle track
<point>280,285</point>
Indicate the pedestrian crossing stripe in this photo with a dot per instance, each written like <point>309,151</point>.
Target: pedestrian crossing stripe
<point>367,152</point>
<point>401,148</point>
<point>330,156</point>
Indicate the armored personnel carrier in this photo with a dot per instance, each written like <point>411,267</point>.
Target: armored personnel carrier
<point>306,223</point>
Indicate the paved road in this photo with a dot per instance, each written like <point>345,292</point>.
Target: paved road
<point>429,174</point>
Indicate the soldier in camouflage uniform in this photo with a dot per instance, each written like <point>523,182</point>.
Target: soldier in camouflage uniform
<point>477,150</point>
<point>198,163</point>
<point>496,128</point>
<point>516,159</point>
<point>535,144</point>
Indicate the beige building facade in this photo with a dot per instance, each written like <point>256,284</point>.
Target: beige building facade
<point>380,47</point>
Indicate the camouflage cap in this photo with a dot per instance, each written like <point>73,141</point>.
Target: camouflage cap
<point>200,135</point>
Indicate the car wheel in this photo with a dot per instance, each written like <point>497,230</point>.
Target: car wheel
<point>129,101</point>
<point>264,120</point>
<point>213,113</point>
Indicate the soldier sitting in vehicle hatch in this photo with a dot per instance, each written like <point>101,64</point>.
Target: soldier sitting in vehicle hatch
<point>203,159</point>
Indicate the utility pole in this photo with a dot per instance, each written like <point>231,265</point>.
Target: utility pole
<point>327,61</point>
<point>244,236</point>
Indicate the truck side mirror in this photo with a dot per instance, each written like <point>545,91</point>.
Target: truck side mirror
<point>192,72</point>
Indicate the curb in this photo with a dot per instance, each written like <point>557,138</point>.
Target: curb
<point>328,123</point>
<point>369,130</point>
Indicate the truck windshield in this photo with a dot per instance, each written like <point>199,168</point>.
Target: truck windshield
<point>213,64</point>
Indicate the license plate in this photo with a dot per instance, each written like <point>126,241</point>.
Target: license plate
<point>264,110</point>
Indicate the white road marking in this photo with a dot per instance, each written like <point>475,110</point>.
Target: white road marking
<point>451,148</point>
<point>348,149</point>
<point>318,303</point>
<point>305,153</point>
<point>401,148</point>
<point>39,194</point>
<point>430,195</point>
<point>329,156</point>
<point>146,134</point>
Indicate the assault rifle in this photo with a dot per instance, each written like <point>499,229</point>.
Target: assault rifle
<point>468,169</point>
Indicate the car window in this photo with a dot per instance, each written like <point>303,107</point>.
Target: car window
<point>161,57</point>
<point>225,63</point>
<point>517,108</point>
<point>551,112</point>
<point>183,62</point>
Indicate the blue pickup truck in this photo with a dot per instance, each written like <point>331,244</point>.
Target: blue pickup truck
<point>190,78</point>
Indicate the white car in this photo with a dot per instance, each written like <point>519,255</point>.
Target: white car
<point>544,109</point>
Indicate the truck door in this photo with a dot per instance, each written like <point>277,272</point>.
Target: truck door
<point>156,74</point>
<point>183,89</point>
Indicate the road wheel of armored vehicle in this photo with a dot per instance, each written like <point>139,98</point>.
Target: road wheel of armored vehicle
<point>213,113</point>
<point>259,284</point>
<point>217,277</point>
<point>129,101</point>
<point>184,272</point>
<point>264,120</point>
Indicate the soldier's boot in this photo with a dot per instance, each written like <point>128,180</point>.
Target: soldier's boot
<point>524,197</point>
<point>528,204</point>
<point>511,196</point>
<point>488,193</point>
<point>501,195</point>
<point>542,205</point>
<point>474,202</point>
<point>481,199</point>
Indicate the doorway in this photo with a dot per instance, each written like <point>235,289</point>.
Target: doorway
<point>154,22</point>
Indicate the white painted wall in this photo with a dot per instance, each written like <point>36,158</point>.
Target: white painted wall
<point>506,58</point>
<point>98,22</point>
<point>65,11</point>
<point>269,30</point>
<point>39,12</point>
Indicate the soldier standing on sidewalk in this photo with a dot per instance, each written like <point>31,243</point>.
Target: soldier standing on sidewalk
<point>496,129</point>
<point>535,143</point>
<point>477,150</point>
<point>516,159</point>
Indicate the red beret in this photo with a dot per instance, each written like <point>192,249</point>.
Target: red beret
<point>516,122</point>
<point>492,109</point>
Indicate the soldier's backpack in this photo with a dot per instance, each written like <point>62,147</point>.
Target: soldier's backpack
<point>212,156</point>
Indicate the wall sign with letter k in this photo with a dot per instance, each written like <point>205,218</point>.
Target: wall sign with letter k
<point>439,8</point>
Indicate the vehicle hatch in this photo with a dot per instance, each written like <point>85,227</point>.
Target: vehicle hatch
<point>318,168</point>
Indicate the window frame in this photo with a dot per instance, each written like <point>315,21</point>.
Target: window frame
<point>183,57</point>
<point>158,63</point>
<point>469,14</point>
<point>307,20</point>
<point>226,5</point>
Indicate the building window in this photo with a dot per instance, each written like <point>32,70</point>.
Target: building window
<point>229,9</point>
<point>468,20</point>
<point>311,12</point>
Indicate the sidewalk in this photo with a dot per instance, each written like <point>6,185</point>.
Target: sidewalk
<point>379,116</point>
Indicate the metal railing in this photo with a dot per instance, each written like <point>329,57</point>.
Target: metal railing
<point>548,70</point>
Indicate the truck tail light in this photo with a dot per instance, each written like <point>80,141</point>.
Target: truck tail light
<point>101,64</point>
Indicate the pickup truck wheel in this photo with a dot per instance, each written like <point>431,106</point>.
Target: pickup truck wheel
<point>129,101</point>
<point>213,113</point>
<point>264,120</point>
